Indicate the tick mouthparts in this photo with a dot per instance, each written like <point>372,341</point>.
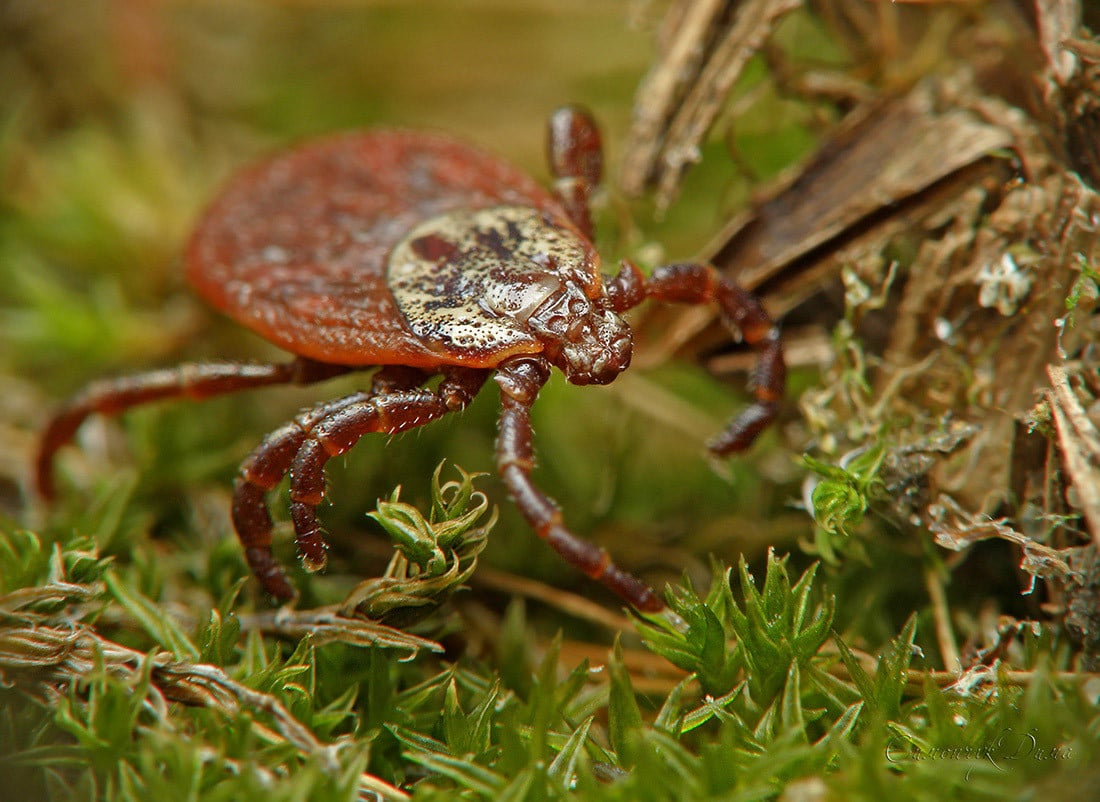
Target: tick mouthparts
<point>614,359</point>
<point>601,366</point>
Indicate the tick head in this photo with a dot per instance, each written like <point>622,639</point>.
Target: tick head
<point>588,342</point>
<point>599,349</point>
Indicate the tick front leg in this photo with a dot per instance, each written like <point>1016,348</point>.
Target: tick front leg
<point>390,412</point>
<point>575,154</point>
<point>271,460</point>
<point>194,381</point>
<point>694,284</point>
<point>520,381</point>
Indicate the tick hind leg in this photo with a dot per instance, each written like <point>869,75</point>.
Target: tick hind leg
<point>394,404</point>
<point>520,381</point>
<point>194,381</point>
<point>741,310</point>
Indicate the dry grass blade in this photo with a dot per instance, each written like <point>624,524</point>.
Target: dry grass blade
<point>1080,447</point>
<point>54,657</point>
<point>571,603</point>
<point>686,25</point>
<point>55,592</point>
<point>956,529</point>
<point>684,92</point>
<point>327,625</point>
<point>752,26</point>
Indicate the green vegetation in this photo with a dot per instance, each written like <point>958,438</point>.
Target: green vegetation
<point>446,653</point>
<point>111,696</point>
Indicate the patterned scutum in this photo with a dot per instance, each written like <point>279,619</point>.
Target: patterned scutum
<point>469,280</point>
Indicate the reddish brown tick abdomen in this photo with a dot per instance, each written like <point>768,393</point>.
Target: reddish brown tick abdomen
<point>296,248</point>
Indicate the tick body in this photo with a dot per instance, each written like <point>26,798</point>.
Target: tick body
<point>420,255</point>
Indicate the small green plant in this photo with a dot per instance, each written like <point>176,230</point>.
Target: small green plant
<point>435,555</point>
<point>1087,285</point>
<point>723,642</point>
<point>841,496</point>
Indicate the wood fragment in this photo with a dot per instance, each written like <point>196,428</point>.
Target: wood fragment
<point>676,104</point>
<point>754,23</point>
<point>1057,21</point>
<point>1079,444</point>
<point>882,157</point>
<point>890,165</point>
<point>941,615</point>
<point>683,34</point>
<point>1087,50</point>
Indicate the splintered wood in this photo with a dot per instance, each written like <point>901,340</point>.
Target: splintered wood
<point>947,232</point>
<point>705,47</point>
<point>1080,447</point>
<point>887,167</point>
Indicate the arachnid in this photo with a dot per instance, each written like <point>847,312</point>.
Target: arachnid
<point>422,255</point>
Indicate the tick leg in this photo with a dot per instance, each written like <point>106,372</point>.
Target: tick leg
<point>391,412</point>
<point>194,381</point>
<point>695,284</point>
<point>576,160</point>
<point>520,380</point>
<point>271,460</point>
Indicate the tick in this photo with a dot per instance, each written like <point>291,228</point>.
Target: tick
<point>420,256</point>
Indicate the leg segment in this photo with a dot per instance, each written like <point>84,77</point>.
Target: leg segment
<point>194,381</point>
<point>694,284</point>
<point>393,405</point>
<point>271,460</point>
<point>520,380</point>
<point>576,160</point>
